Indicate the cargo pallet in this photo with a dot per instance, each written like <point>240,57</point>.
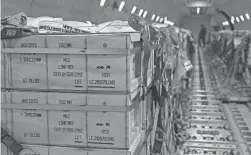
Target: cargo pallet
<point>88,92</point>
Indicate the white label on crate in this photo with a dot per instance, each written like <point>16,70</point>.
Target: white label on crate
<point>30,126</point>
<point>107,129</point>
<point>34,150</point>
<point>67,128</point>
<point>67,72</point>
<point>67,151</point>
<point>67,98</point>
<point>28,97</point>
<point>29,71</point>
<point>107,100</point>
<point>107,72</point>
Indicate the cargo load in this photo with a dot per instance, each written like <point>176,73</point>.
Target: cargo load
<point>86,89</point>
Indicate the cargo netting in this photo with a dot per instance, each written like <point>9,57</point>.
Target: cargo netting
<point>229,56</point>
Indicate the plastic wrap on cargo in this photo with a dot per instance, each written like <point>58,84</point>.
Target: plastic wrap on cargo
<point>47,24</point>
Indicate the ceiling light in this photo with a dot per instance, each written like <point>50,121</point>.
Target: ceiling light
<point>242,18</point>
<point>198,10</point>
<point>140,12</point>
<point>237,19</point>
<point>169,22</point>
<point>199,4</point>
<point>232,21</point>
<point>161,20</point>
<point>247,16</point>
<point>153,16</point>
<point>102,3</point>
<point>121,5</point>
<point>144,15</point>
<point>165,18</point>
<point>133,9</point>
<point>157,19</point>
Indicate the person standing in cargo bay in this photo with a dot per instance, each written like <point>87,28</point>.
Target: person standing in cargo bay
<point>202,36</point>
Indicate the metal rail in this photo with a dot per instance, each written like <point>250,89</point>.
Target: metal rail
<point>214,127</point>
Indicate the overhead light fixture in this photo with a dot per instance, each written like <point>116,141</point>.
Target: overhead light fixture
<point>169,22</point>
<point>140,12</point>
<point>247,16</point>
<point>225,23</point>
<point>161,20</point>
<point>133,9</point>
<point>102,3</point>
<point>157,19</point>
<point>199,4</point>
<point>242,18</point>
<point>165,18</point>
<point>198,10</point>
<point>144,15</point>
<point>121,5</point>
<point>153,16</point>
<point>232,21</point>
<point>237,19</point>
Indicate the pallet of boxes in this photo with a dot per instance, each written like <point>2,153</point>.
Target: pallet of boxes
<point>75,94</point>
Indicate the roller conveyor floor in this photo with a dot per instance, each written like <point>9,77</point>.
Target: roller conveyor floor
<point>213,127</point>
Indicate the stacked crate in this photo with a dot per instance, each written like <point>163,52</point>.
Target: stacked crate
<point>75,94</point>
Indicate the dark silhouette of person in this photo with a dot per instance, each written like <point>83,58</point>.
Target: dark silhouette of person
<point>202,35</point>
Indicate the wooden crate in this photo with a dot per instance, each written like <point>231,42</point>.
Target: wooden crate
<point>110,62</point>
<point>7,125</point>
<point>114,129</point>
<point>67,72</point>
<point>30,126</point>
<point>83,123</point>
<point>28,71</point>
<point>28,42</point>
<point>52,150</point>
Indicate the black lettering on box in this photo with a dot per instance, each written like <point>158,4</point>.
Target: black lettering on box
<point>66,115</point>
<point>28,45</point>
<point>106,75</point>
<point>64,45</point>
<point>66,60</point>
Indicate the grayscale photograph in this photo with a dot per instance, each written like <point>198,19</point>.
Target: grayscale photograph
<point>125,77</point>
